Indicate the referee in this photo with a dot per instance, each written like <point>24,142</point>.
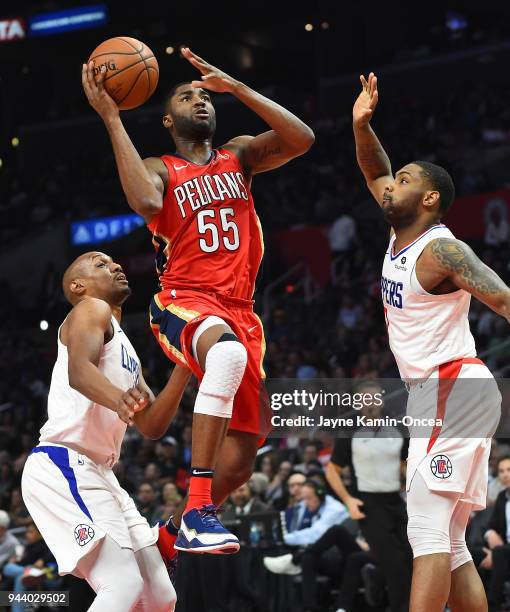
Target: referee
<point>375,456</point>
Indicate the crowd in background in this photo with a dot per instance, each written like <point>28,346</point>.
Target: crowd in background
<point>340,334</point>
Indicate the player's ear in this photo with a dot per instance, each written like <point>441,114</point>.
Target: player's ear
<point>77,287</point>
<point>167,121</point>
<point>431,199</point>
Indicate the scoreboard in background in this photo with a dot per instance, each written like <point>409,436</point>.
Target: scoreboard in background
<point>46,24</point>
<point>104,229</point>
<point>68,20</point>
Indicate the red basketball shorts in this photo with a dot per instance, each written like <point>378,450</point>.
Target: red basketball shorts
<point>174,317</point>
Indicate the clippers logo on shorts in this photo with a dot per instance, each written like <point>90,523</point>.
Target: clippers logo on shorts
<point>83,534</point>
<point>441,466</point>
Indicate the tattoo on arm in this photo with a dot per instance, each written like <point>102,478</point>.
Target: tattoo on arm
<point>266,152</point>
<point>373,160</point>
<point>468,270</point>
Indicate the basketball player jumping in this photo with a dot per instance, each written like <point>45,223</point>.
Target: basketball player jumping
<point>428,279</point>
<point>88,521</point>
<point>198,206</point>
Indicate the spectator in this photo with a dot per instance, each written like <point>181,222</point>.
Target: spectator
<point>259,483</point>
<point>310,456</point>
<point>496,223</point>
<point>171,500</point>
<point>8,542</point>
<point>497,556</point>
<point>321,513</point>
<point>342,234</point>
<point>185,450</point>
<point>147,503</point>
<point>276,487</point>
<point>340,556</point>
<point>501,482</point>
<point>28,571</point>
<point>152,475</point>
<point>350,313</point>
<point>269,466</point>
<point>166,452</point>
<point>291,498</point>
<point>18,512</point>
<point>243,501</point>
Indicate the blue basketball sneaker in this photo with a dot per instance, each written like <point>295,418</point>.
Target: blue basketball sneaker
<point>202,532</point>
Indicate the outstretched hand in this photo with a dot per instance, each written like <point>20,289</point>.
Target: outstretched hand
<point>98,97</point>
<point>213,78</point>
<point>366,102</point>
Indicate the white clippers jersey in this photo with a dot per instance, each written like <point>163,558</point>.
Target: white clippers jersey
<point>77,422</point>
<point>424,330</point>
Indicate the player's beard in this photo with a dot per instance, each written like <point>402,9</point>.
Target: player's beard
<point>189,128</point>
<point>402,215</point>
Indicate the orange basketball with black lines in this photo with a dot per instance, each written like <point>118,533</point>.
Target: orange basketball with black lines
<point>132,71</point>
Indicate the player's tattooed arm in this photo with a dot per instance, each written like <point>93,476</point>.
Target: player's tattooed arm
<point>460,264</point>
<point>372,159</point>
<point>288,138</point>
<point>263,152</point>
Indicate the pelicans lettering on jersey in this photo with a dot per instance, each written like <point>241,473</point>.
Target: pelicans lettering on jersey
<point>424,330</point>
<point>208,236</point>
<point>209,248</point>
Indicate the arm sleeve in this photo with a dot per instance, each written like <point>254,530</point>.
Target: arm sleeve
<point>405,449</point>
<point>342,452</point>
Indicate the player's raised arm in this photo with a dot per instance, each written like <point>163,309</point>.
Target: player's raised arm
<point>288,138</point>
<point>452,259</point>
<point>372,158</point>
<point>84,334</point>
<point>143,183</point>
<point>154,420</point>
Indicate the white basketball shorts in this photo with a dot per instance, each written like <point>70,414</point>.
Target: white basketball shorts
<point>453,455</point>
<point>74,502</point>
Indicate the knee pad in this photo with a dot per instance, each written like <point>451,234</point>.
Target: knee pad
<point>224,369</point>
<point>426,536</point>
<point>201,328</point>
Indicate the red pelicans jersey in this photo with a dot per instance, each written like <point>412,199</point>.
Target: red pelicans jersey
<point>207,235</point>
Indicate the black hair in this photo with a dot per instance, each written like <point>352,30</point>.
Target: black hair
<point>171,94</point>
<point>500,459</point>
<point>294,472</point>
<point>440,180</point>
<point>319,488</point>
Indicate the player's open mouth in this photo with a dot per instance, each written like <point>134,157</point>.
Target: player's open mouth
<point>121,278</point>
<point>202,114</point>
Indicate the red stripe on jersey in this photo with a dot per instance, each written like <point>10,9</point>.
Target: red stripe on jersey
<point>448,374</point>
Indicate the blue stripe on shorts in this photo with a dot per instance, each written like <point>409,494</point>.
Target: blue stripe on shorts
<point>60,457</point>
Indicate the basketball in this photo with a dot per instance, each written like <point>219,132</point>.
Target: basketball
<point>132,71</point>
